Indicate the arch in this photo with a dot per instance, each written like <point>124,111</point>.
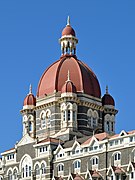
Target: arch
<point>37,168</point>
<point>25,166</point>
<point>60,167</point>
<point>77,164</point>
<point>15,172</point>
<point>94,160</point>
<point>10,173</point>
<point>43,167</point>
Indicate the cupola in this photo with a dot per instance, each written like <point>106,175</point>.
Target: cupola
<point>68,40</point>
<point>29,100</point>
<point>107,99</point>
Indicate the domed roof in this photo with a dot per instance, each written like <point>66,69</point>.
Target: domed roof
<point>68,30</point>
<point>29,100</point>
<point>107,99</point>
<point>81,76</point>
<point>68,87</point>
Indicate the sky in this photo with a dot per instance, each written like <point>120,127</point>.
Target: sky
<point>29,33</point>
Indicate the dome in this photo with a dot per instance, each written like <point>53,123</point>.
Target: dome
<point>29,100</point>
<point>68,87</point>
<point>81,76</point>
<point>107,99</point>
<point>68,30</point>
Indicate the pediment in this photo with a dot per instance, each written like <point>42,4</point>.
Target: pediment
<point>26,139</point>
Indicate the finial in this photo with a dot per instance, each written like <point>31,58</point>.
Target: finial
<point>68,76</point>
<point>106,89</point>
<point>68,21</point>
<point>30,89</point>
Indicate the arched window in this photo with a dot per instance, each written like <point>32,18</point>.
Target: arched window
<point>26,164</point>
<point>10,175</point>
<point>43,120</point>
<point>117,158</point>
<point>60,167</point>
<point>1,178</point>
<point>90,118</point>
<point>77,164</point>
<point>37,170</point>
<point>15,174</point>
<point>30,126</point>
<point>95,162</point>
<point>43,168</point>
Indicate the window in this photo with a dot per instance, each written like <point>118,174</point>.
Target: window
<point>43,149</point>
<point>10,175</point>
<point>117,177</point>
<point>43,121</point>
<point>37,170</point>
<point>10,156</point>
<point>30,126</point>
<point>117,156</point>
<point>112,127</point>
<point>132,175</point>
<point>15,174</point>
<point>77,164</point>
<point>68,115</point>
<point>108,126</point>
<point>95,161</point>
<point>60,167</point>
<point>43,169</point>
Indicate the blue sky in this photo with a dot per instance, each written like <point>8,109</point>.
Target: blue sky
<point>29,33</point>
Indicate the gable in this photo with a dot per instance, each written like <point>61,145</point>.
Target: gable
<point>26,139</point>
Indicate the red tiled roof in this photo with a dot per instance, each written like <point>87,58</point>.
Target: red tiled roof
<point>53,140</point>
<point>99,137</point>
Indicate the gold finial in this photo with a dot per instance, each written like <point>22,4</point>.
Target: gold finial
<point>106,89</point>
<point>30,89</point>
<point>68,21</point>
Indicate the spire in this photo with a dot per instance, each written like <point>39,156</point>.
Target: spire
<point>106,89</point>
<point>68,21</point>
<point>68,76</point>
<point>30,89</point>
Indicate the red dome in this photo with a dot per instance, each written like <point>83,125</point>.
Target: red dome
<point>68,87</point>
<point>81,75</point>
<point>68,30</point>
<point>29,100</point>
<point>107,99</point>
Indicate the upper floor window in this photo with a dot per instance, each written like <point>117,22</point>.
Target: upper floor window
<point>92,117</point>
<point>94,161</point>
<point>60,167</point>
<point>117,156</point>
<point>77,164</point>
<point>10,156</point>
<point>43,149</point>
<point>117,159</point>
<point>45,117</point>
